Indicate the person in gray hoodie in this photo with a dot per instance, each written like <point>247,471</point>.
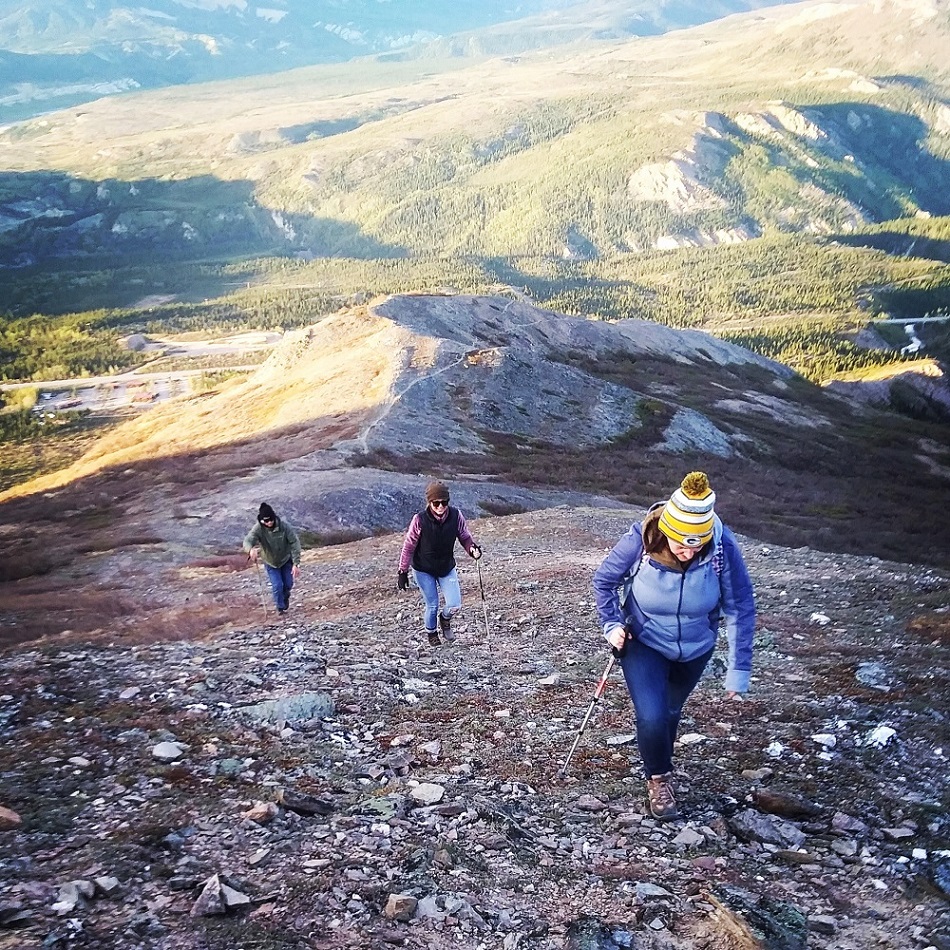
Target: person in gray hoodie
<point>275,542</point>
<point>660,595</point>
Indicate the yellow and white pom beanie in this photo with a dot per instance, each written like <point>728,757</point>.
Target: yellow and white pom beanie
<point>688,515</point>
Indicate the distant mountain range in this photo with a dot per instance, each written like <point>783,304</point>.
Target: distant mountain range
<point>57,54</point>
<point>811,118</point>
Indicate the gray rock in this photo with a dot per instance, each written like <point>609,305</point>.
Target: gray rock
<point>216,898</point>
<point>304,804</point>
<point>898,834</point>
<point>210,902</point>
<point>167,751</point>
<point>822,924</point>
<point>749,825</point>
<point>590,803</point>
<point>940,875</point>
<point>845,824</point>
<point>291,708</point>
<point>689,838</point>
<point>647,891</point>
<point>690,430</point>
<point>873,674</point>
<point>628,739</point>
<point>233,897</point>
<point>107,886</point>
<point>428,793</point>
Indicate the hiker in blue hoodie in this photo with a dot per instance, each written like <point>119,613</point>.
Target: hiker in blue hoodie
<point>660,595</point>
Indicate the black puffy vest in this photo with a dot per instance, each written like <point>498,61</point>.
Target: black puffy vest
<point>435,552</point>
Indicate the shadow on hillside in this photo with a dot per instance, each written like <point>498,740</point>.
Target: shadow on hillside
<point>891,142</point>
<point>852,487</point>
<point>49,218</point>
<point>909,303</point>
<point>295,134</point>
<point>540,287</point>
<point>900,244</point>
<point>842,507</point>
<point>904,79</point>
<point>91,513</point>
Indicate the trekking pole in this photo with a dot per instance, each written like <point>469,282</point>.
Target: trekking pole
<point>481,587</point>
<point>601,686</point>
<point>260,584</point>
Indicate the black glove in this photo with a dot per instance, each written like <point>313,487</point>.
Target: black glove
<point>476,552</point>
<point>403,580</point>
<point>618,654</point>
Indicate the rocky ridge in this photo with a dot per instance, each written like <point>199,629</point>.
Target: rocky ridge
<point>371,378</point>
<point>330,780</point>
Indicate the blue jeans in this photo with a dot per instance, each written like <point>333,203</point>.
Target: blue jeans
<point>658,687</point>
<point>281,581</point>
<point>430,585</point>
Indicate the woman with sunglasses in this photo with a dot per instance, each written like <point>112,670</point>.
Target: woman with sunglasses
<point>275,542</point>
<point>429,548</point>
<point>660,595</point>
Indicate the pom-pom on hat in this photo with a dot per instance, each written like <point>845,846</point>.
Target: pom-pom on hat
<point>266,512</point>
<point>688,515</point>
<point>436,491</point>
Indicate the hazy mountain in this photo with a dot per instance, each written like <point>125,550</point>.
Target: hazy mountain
<point>54,54</point>
<point>815,118</point>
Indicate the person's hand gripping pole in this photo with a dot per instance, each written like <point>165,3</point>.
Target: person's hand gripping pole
<point>615,654</point>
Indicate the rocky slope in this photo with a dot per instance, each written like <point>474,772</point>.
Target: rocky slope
<point>331,781</point>
<point>520,408</point>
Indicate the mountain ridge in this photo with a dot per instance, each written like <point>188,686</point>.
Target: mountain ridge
<point>406,355</point>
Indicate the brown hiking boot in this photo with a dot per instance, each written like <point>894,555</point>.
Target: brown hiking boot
<point>662,799</point>
<point>445,625</point>
<point>433,636</point>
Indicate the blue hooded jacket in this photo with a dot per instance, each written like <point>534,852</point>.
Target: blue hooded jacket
<point>675,612</point>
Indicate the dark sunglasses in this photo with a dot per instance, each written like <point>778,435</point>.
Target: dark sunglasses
<point>267,520</point>
<point>440,503</point>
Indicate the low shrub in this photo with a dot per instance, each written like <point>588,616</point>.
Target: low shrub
<point>501,507</point>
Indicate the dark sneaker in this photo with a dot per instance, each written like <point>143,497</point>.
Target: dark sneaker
<point>281,610</point>
<point>445,625</point>
<point>662,800</point>
<point>433,636</point>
